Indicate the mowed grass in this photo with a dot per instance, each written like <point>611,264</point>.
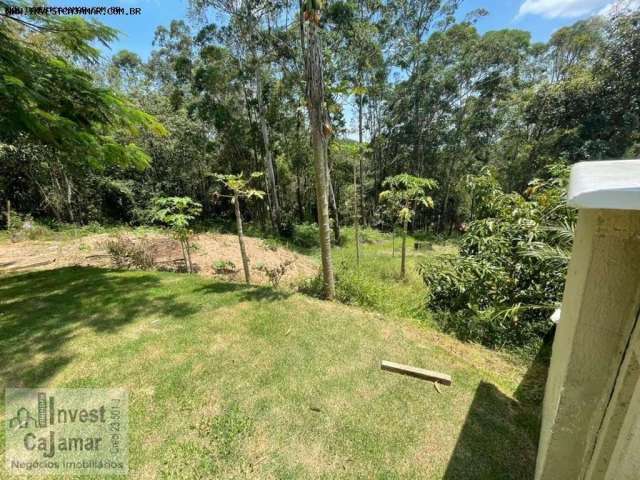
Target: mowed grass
<point>228,381</point>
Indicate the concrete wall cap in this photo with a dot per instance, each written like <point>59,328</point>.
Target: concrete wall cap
<point>611,184</point>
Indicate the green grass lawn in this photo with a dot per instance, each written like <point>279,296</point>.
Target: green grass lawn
<point>228,381</point>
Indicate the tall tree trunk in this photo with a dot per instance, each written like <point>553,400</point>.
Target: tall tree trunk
<point>403,261</point>
<point>58,193</point>
<point>299,197</point>
<point>332,197</point>
<point>184,256</point>
<point>274,203</point>
<point>315,105</point>
<point>188,248</point>
<point>47,200</point>
<point>243,250</point>
<point>447,183</point>
<point>451,166</point>
<point>362,211</point>
<point>393,241</point>
<point>68,196</point>
<point>334,207</point>
<point>356,220</point>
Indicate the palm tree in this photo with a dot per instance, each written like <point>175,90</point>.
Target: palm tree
<point>320,131</point>
<point>239,187</point>
<point>403,195</point>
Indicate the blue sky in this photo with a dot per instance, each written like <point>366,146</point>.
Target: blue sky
<point>540,17</point>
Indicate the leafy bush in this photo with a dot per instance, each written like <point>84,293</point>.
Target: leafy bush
<point>370,235</point>
<point>15,220</point>
<point>270,244</point>
<point>94,227</point>
<point>224,266</point>
<point>178,213</point>
<point>24,227</point>
<point>129,254</point>
<point>510,273</point>
<point>355,287</point>
<point>275,273</point>
<point>306,235</point>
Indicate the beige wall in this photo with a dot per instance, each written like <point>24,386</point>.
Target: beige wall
<point>590,418</point>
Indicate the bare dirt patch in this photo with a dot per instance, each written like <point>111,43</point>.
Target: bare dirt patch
<point>208,248</point>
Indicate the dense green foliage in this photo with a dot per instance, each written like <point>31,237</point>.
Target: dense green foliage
<point>432,98</point>
<point>58,127</point>
<point>501,100</point>
<point>509,276</point>
<point>47,100</point>
<point>305,235</point>
<point>405,193</point>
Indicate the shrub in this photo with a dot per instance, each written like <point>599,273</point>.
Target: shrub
<point>224,266</point>
<point>275,273</point>
<point>306,235</point>
<point>368,235</point>
<point>177,213</point>
<point>312,286</point>
<point>128,254</point>
<point>510,273</point>
<point>24,227</point>
<point>94,227</point>
<point>270,244</point>
<point>354,286</point>
<point>16,220</point>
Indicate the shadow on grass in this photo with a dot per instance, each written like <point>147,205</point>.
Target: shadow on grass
<point>40,311</point>
<point>530,392</point>
<point>490,447</point>
<point>246,293</point>
<point>489,428</point>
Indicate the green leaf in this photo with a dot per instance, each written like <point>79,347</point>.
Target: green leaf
<point>11,80</point>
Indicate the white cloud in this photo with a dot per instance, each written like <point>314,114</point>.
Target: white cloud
<point>560,8</point>
<point>620,5</point>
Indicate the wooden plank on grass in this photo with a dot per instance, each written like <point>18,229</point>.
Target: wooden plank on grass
<point>416,372</point>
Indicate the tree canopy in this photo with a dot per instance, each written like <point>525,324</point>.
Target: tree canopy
<point>46,97</point>
<point>409,87</point>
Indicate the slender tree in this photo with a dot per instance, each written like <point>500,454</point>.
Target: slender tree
<point>240,188</point>
<point>245,32</point>
<point>177,213</point>
<point>320,130</point>
<point>268,151</point>
<point>356,217</point>
<point>405,193</point>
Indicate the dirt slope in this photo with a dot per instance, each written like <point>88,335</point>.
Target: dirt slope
<point>208,248</point>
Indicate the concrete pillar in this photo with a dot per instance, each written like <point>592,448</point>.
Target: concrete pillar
<point>591,411</point>
<point>617,452</point>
